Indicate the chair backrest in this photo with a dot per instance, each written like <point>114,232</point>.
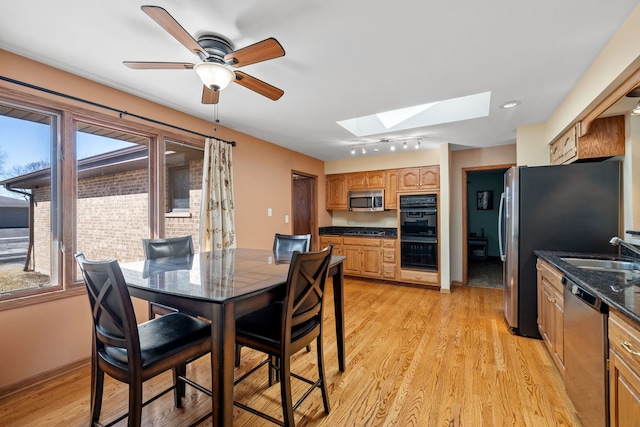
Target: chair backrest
<point>305,290</point>
<point>286,243</point>
<point>168,247</point>
<point>114,320</point>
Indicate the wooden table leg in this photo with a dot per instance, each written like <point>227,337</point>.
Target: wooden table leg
<point>338,301</point>
<point>223,331</point>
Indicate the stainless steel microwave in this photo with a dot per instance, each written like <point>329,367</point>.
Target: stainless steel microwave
<point>366,201</point>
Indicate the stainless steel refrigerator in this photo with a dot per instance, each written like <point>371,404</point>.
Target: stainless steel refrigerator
<point>573,208</point>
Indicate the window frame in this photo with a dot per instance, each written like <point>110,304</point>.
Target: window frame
<point>63,241</point>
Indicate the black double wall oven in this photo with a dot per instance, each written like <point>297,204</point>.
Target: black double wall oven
<point>419,231</point>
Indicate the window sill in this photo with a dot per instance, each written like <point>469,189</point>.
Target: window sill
<point>177,215</point>
<point>39,298</point>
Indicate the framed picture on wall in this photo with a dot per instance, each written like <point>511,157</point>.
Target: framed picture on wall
<point>485,200</point>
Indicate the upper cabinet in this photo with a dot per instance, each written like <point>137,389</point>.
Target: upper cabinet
<point>423,178</point>
<point>366,180</point>
<point>336,192</point>
<point>391,180</point>
<point>391,189</point>
<point>604,139</point>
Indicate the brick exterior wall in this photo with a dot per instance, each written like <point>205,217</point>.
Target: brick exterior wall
<point>113,217</point>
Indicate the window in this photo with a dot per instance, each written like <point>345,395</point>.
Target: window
<point>178,188</point>
<point>112,193</point>
<point>183,187</point>
<point>28,201</point>
<point>118,182</point>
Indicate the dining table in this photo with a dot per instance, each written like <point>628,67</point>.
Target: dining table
<point>222,285</point>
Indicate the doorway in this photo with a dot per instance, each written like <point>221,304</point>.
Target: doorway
<point>303,205</point>
<point>483,187</point>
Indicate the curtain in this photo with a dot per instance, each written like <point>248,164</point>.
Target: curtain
<point>217,228</point>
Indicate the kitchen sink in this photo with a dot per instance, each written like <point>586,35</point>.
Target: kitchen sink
<point>604,264</point>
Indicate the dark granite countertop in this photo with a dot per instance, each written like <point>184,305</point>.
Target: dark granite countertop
<point>618,290</point>
<point>384,232</point>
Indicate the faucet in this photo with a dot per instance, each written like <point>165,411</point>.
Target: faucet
<point>616,241</point>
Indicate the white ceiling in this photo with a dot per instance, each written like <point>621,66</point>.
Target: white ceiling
<point>344,59</point>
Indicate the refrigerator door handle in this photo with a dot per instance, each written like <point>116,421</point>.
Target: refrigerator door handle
<point>503,255</point>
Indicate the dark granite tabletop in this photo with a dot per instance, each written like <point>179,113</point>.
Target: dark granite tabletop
<point>619,290</point>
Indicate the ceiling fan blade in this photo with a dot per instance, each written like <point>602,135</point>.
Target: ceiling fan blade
<point>210,96</point>
<point>256,85</point>
<point>138,65</point>
<point>166,21</point>
<point>257,52</point>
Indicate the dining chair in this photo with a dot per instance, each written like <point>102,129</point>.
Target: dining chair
<point>287,243</point>
<point>133,353</point>
<point>161,248</point>
<point>285,327</point>
<point>284,244</point>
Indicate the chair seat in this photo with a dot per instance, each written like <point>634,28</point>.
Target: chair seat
<point>164,336</point>
<point>265,325</point>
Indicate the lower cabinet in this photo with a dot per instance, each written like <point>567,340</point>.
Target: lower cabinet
<point>551,311</point>
<point>624,371</point>
<point>389,259</point>
<point>333,239</point>
<point>364,256</point>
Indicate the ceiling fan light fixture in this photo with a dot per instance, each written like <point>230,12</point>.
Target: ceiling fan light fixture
<point>214,76</point>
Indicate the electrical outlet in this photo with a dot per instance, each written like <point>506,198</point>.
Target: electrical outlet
<point>286,219</point>
<point>269,212</point>
<point>351,222</point>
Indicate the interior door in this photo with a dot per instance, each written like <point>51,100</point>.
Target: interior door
<point>304,206</point>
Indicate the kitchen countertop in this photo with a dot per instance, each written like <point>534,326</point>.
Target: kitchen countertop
<point>386,232</point>
<point>618,290</point>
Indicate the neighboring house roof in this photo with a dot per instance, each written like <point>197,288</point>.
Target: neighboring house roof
<point>10,202</point>
<point>113,162</point>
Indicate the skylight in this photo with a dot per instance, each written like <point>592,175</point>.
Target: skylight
<point>418,116</point>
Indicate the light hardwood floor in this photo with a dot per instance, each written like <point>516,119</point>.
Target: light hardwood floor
<point>415,357</point>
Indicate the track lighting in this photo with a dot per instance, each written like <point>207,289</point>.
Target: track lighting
<point>377,146</point>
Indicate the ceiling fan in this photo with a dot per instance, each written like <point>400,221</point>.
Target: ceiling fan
<point>217,54</point>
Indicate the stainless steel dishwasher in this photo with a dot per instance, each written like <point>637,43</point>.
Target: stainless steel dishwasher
<point>585,353</point>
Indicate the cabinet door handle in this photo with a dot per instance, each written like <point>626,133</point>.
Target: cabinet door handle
<point>552,301</point>
<point>627,346</point>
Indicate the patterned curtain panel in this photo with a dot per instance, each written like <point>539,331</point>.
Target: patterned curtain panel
<point>217,228</point>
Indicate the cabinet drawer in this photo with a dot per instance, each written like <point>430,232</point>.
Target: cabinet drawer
<point>624,339</point>
<point>389,271</point>
<point>326,239</point>
<point>389,243</point>
<point>389,255</point>
<point>420,277</point>
<point>361,241</point>
<point>551,276</point>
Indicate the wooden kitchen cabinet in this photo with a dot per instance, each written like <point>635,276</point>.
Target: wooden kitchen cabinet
<point>551,311</point>
<point>389,259</point>
<point>370,180</point>
<point>605,139</point>
<point>333,239</point>
<point>624,371</point>
<point>423,178</point>
<point>363,256</point>
<point>336,189</point>
<point>391,189</point>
